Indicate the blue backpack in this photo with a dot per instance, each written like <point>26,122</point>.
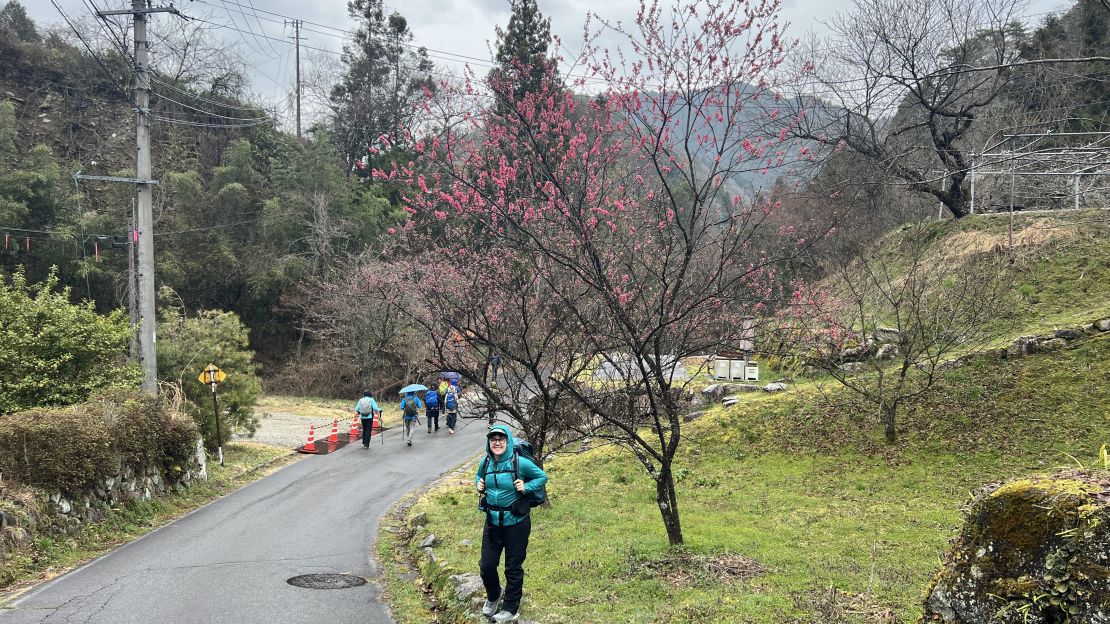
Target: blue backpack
<point>431,399</point>
<point>451,400</point>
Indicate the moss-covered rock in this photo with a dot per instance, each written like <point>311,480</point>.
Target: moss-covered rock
<point>1032,551</point>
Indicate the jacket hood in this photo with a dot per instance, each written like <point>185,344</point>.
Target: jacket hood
<point>508,443</point>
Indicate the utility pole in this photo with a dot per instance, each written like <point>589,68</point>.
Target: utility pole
<point>132,295</point>
<point>148,354</point>
<point>297,38</point>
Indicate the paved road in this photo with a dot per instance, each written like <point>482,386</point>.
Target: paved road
<point>229,561</point>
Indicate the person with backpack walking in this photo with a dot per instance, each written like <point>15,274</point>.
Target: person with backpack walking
<point>451,405</point>
<point>508,483</point>
<point>431,401</point>
<point>366,408</point>
<point>410,413</point>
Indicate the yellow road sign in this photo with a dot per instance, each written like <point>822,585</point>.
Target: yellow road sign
<point>212,374</point>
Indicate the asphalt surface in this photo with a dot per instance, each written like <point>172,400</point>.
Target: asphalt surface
<point>229,561</point>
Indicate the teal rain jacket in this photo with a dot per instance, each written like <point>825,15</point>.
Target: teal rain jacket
<point>500,491</point>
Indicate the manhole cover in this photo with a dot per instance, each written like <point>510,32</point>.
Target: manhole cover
<point>327,581</point>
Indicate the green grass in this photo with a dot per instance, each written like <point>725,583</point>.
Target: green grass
<point>407,602</point>
<point>49,556</point>
<point>847,528</point>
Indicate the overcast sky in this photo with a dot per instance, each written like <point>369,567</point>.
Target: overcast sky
<point>446,27</point>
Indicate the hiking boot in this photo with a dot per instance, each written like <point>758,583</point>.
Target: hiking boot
<point>409,442</point>
<point>490,606</point>
<point>451,431</point>
<point>505,616</point>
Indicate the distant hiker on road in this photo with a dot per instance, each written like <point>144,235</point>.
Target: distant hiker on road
<point>451,405</point>
<point>431,400</point>
<point>503,478</point>
<point>410,411</point>
<point>366,408</point>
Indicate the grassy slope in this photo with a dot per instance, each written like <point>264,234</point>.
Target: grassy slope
<point>847,528</point>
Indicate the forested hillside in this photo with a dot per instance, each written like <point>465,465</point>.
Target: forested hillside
<point>245,214</point>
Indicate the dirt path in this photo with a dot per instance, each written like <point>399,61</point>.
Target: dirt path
<point>287,429</point>
<point>284,421</point>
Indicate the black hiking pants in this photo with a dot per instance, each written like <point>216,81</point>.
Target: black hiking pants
<point>367,428</point>
<point>514,541</point>
<point>433,417</point>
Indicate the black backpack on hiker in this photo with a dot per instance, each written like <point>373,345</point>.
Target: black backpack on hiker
<point>524,504</point>
<point>411,411</point>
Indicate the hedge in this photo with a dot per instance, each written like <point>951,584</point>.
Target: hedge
<point>76,447</point>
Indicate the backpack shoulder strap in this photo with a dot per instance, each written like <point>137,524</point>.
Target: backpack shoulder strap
<point>485,466</point>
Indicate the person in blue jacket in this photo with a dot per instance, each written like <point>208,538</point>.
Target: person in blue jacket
<point>410,413</point>
<point>504,530</point>
<point>366,408</point>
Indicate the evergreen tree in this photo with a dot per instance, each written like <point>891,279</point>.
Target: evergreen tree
<point>383,75</point>
<point>522,51</point>
<point>1083,31</point>
<point>16,24</point>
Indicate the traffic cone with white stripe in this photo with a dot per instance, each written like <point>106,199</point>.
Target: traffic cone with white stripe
<point>353,435</point>
<point>334,437</point>
<point>310,446</point>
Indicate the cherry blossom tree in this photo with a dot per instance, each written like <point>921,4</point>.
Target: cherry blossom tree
<point>607,197</point>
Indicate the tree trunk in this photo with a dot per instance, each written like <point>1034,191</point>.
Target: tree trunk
<point>668,505</point>
<point>886,413</point>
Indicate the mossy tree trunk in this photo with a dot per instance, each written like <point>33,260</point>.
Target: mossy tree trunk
<point>887,412</point>
<point>667,500</point>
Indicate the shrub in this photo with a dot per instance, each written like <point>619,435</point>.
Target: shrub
<point>53,352</point>
<point>67,449</point>
<point>187,345</point>
<point>76,447</point>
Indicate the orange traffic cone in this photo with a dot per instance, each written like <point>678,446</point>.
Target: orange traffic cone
<point>310,446</point>
<point>353,435</point>
<point>376,424</point>
<point>334,437</point>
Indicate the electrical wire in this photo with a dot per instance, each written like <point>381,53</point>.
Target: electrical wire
<point>197,124</point>
<point>211,114</point>
<point>115,80</point>
<point>190,94</point>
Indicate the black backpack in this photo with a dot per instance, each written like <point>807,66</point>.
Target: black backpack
<point>410,407</point>
<point>534,498</point>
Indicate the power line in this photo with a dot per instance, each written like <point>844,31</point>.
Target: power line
<point>202,99</point>
<point>185,122</point>
<point>209,113</point>
<point>115,80</point>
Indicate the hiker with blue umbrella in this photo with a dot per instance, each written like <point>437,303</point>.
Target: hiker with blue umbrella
<point>410,410</point>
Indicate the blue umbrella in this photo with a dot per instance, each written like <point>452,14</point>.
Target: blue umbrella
<point>450,376</point>
<point>412,388</point>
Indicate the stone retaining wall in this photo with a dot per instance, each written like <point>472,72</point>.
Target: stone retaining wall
<point>62,514</point>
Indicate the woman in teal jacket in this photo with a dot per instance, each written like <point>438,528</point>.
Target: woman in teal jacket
<point>504,531</point>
